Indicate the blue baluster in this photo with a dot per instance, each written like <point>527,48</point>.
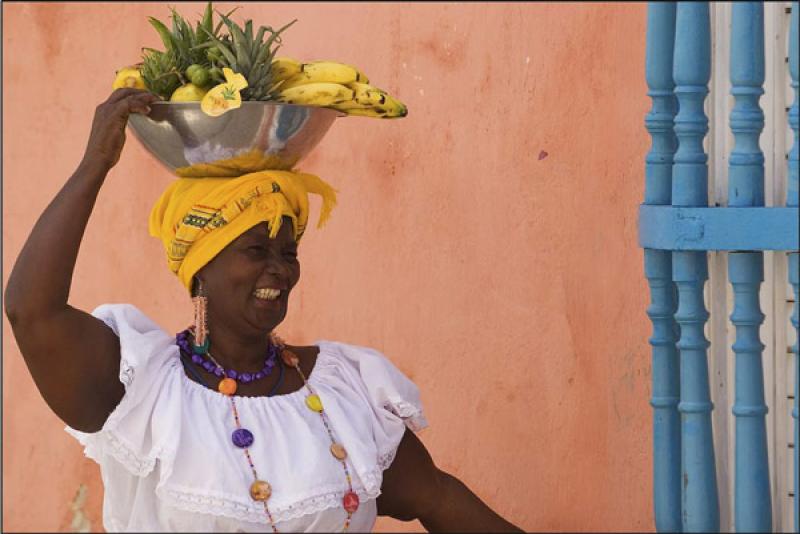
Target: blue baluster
<point>666,391</point>
<point>691,72</point>
<point>700,504</point>
<point>660,120</point>
<point>792,200</point>
<point>794,279</point>
<point>753,506</point>
<point>752,501</point>
<point>658,270</point>
<point>792,196</point>
<point>746,171</point>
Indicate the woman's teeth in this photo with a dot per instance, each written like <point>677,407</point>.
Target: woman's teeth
<point>267,294</point>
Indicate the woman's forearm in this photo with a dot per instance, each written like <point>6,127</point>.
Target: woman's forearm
<point>40,281</point>
<point>460,510</point>
<point>41,278</point>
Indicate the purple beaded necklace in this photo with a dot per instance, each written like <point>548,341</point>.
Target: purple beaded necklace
<point>202,357</point>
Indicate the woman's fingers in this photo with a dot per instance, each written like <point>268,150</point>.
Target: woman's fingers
<point>124,92</point>
<point>138,102</point>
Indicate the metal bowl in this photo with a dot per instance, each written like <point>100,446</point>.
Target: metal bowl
<point>254,137</point>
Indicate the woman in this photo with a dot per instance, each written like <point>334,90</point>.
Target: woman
<point>222,427</point>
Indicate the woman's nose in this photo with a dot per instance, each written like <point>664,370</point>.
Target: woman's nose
<point>278,266</point>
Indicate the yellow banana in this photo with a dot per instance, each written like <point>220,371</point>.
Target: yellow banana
<point>324,72</point>
<point>367,95</point>
<point>284,68</point>
<point>348,105</point>
<point>317,94</point>
<point>390,110</point>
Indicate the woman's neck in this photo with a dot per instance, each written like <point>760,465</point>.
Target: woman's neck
<point>233,351</point>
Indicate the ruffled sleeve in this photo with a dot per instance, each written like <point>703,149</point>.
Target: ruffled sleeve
<point>136,433</point>
<point>388,402</point>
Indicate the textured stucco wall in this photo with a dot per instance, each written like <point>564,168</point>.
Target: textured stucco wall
<point>486,243</point>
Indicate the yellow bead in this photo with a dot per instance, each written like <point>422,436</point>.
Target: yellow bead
<point>338,451</point>
<point>260,490</point>
<point>313,402</point>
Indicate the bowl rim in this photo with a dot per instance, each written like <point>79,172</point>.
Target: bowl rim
<point>251,103</point>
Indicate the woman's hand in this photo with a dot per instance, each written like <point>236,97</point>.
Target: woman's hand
<point>108,127</point>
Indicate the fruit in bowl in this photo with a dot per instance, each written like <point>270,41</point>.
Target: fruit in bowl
<point>219,66</point>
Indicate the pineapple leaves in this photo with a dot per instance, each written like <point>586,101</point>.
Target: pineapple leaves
<point>224,49</point>
<point>208,19</point>
<point>240,48</point>
<point>164,33</point>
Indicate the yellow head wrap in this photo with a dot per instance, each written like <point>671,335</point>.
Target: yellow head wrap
<point>196,218</point>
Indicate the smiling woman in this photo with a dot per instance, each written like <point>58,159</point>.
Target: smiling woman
<point>197,432</point>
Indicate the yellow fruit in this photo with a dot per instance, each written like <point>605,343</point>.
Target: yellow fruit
<point>128,77</point>
<point>283,68</point>
<point>188,93</point>
<point>316,94</point>
<point>225,96</point>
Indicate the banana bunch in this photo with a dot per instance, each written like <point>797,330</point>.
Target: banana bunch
<point>332,85</point>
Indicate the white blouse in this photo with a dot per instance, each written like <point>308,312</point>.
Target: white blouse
<point>168,463</point>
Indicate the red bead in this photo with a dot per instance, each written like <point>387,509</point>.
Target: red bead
<point>350,502</point>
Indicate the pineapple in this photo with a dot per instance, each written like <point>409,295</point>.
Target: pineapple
<point>248,55</point>
<point>160,72</point>
<point>163,72</point>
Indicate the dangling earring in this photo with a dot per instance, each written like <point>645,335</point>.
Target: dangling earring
<point>200,302</point>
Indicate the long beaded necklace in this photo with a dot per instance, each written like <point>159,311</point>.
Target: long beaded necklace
<point>261,490</point>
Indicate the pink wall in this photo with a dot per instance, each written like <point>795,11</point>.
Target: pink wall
<point>486,243</point>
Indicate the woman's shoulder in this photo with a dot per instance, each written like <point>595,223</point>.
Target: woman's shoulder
<point>123,315</point>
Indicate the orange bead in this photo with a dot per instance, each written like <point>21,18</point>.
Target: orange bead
<point>338,451</point>
<point>227,386</point>
<point>290,358</point>
<point>260,490</point>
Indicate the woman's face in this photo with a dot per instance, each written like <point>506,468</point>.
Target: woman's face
<point>240,282</point>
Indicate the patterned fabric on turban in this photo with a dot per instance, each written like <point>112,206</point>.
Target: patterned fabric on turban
<point>196,218</point>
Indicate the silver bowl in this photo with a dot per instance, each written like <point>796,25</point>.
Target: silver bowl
<point>254,137</point>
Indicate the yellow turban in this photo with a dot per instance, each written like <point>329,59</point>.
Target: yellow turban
<point>196,218</point>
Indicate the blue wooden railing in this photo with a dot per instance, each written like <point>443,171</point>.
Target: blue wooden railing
<point>676,229</point>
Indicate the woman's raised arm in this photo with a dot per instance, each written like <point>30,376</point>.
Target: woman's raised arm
<point>72,356</point>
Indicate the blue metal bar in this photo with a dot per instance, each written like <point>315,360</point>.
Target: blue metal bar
<point>658,270</point>
<point>753,504</point>
<point>691,72</point>
<point>668,228</point>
